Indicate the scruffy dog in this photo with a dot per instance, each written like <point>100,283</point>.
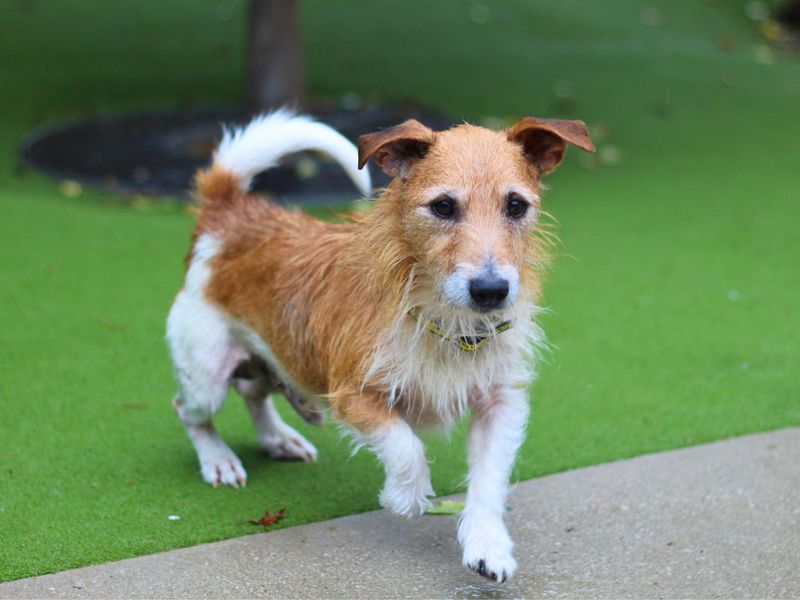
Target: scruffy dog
<point>408,316</point>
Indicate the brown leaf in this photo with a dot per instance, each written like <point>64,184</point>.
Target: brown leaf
<point>268,518</point>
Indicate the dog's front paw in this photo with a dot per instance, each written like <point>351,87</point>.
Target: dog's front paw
<point>496,568</point>
<point>288,444</point>
<point>487,550</point>
<point>407,498</point>
<point>223,468</point>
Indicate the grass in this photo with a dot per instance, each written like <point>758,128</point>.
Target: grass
<point>673,304</point>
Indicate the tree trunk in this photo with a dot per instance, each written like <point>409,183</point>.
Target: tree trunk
<point>275,74</point>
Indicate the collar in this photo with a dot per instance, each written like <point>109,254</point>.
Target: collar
<point>467,343</point>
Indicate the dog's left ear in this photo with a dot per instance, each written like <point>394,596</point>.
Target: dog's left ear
<point>397,148</point>
<point>544,141</point>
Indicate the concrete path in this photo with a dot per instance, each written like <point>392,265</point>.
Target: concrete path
<point>714,521</point>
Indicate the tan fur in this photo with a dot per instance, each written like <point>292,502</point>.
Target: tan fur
<point>323,296</point>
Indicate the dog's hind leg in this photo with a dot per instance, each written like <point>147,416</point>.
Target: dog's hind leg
<point>277,438</point>
<point>204,356</point>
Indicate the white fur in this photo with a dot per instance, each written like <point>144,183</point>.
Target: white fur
<point>408,479</point>
<point>203,351</point>
<point>456,285</point>
<point>260,144</point>
<point>511,275</point>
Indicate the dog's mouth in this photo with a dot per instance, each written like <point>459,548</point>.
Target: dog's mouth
<point>489,310</point>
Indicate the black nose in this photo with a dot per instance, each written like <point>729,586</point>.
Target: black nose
<point>488,292</point>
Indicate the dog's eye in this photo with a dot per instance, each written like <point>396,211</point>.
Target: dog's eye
<point>444,207</point>
<point>516,206</point>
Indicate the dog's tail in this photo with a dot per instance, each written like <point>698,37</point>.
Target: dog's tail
<point>260,144</point>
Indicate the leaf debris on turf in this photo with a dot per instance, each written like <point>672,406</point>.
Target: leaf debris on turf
<point>446,507</point>
<point>268,518</point>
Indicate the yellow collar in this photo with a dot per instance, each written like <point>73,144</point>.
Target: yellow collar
<point>467,343</point>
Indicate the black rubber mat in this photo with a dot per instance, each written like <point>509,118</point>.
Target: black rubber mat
<point>157,154</point>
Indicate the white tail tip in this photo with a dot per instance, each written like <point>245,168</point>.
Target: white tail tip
<point>260,144</point>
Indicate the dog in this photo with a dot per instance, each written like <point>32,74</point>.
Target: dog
<point>409,316</point>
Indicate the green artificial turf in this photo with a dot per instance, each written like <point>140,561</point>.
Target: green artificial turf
<point>674,299</point>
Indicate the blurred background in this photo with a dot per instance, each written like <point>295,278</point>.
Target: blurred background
<point>673,299</point>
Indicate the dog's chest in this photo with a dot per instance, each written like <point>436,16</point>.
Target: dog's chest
<point>430,379</point>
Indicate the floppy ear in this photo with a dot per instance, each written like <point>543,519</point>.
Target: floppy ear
<point>396,148</point>
<point>544,141</point>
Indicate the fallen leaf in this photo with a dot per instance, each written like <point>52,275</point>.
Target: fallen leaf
<point>269,518</point>
<point>446,507</point>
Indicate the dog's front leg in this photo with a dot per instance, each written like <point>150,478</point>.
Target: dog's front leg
<point>408,478</point>
<point>498,426</point>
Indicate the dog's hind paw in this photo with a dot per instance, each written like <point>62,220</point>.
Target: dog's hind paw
<point>223,469</point>
<point>288,444</point>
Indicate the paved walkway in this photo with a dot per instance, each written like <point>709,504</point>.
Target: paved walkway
<point>714,521</point>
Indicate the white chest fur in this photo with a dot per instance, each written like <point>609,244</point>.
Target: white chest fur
<point>430,378</point>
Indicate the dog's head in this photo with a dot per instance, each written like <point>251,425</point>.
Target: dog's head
<point>469,200</point>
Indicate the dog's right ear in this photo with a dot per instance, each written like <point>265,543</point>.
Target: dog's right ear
<point>397,148</point>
